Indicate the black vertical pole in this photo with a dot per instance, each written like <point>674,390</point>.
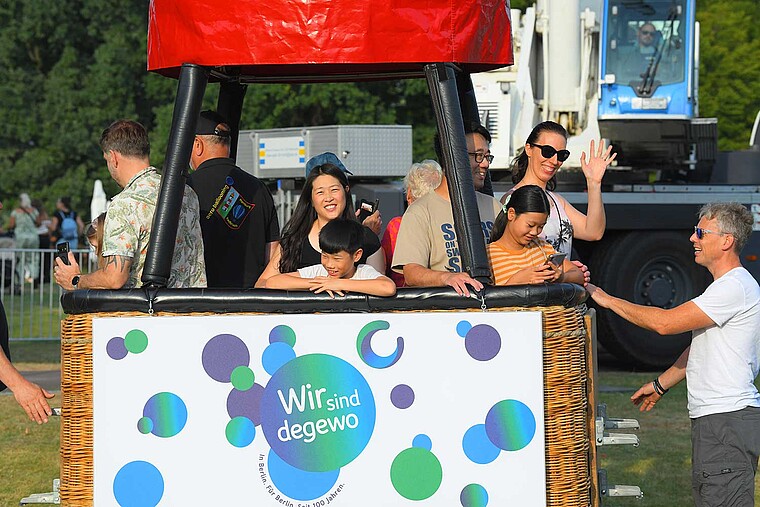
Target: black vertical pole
<point>456,165</point>
<point>187,106</point>
<point>230,105</point>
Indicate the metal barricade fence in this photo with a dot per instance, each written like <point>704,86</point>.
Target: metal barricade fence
<point>29,293</point>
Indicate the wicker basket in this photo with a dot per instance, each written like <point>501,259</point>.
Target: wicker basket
<point>569,470</point>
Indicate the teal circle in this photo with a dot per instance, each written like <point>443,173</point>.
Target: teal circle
<point>136,341</point>
<point>240,431</point>
<point>416,473</point>
<point>242,378</point>
<point>474,495</point>
<point>145,425</point>
<point>167,412</point>
<point>283,334</point>
<point>510,425</point>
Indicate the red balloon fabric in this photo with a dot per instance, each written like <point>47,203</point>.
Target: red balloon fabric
<point>321,39</point>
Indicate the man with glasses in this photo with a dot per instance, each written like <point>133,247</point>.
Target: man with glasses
<point>427,251</point>
<point>720,364</point>
<point>237,214</point>
<point>479,152</point>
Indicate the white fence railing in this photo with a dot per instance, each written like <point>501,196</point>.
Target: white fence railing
<point>29,293</point>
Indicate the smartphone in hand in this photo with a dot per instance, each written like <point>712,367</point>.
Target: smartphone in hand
<point>557,258</point>
<point>63,252</point>
<point>366,208</point>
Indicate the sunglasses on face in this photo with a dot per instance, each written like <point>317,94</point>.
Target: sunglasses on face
<point>549,151</point>
<point>700,232</point>
<point>647,32</point>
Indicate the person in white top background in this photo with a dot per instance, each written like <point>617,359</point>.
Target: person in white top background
<point>721,363</point>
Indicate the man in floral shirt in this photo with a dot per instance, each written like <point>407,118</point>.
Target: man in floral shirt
<point>126,234</point>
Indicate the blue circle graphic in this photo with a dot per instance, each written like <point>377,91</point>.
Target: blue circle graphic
<point>275,355</point>
<point>299,484</point>
<point>138,484</point>
<point>477,447</point>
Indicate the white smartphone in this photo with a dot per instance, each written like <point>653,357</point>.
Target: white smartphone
<point>557,258</point>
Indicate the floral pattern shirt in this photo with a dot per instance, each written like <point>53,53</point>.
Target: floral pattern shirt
<point>128,224</point>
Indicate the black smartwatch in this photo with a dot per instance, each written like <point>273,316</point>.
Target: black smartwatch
<point>75,281</point>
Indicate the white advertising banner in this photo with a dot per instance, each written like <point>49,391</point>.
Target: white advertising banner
<point>375,409</point>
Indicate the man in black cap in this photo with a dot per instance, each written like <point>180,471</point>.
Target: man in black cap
<point>238,218</point>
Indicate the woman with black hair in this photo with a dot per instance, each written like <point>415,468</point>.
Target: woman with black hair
<point>325,197</point>
<point>544,152</point>
<point>516,253</point>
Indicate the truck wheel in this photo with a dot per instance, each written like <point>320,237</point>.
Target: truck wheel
<point>647,268</point>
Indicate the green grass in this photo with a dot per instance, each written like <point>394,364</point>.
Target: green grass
<point>28,453</point>
<point>661,465</point>
<point>47,352</point>
<point>36,314</point>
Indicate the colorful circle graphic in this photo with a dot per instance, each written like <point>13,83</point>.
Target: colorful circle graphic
<point>116,349</point>
<point>283,334</point>
<point>402,396</point>
<point>416,473</point>
<point>138,484</point>
<point>240,431</point>
<point>482,342</point>
<point>136,341</point>
<point>222,354</point>
<point>474,495</point>
<point>364,346</point>
<point>275,355</point>
<point>463,327</point>
<point>510,425</point>
<point>242,378</point>
<point>145,425</point>
<point>477,447</point>
<point>167,412</point>
<point>299,484</point>
<point>318,413</point>
<point>246,403</point>
<point>423,442</point>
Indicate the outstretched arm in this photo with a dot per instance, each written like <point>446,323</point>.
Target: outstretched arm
<point>31,397</point>
<point>418,275</point>
<point>590,227</point>
<point>380,286</point>
<point>646,397</point>
<point>288,281</point>
<point>273,268</point>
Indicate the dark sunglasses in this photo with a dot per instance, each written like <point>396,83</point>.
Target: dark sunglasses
<point>549,151</point>
<point>700,232</point>
<point>647,32</point>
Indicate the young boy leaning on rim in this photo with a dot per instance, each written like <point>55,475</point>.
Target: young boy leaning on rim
<point>340,241</point>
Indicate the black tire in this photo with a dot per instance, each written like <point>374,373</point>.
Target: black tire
<point>646,268</point>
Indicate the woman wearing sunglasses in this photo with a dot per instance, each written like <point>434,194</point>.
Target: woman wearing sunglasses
<point>545,151</point>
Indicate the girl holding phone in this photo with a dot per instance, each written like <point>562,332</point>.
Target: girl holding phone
<point>516,253</point>
<point>545,151</point>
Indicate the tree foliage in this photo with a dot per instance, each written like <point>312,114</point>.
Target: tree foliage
<point>70,67</point>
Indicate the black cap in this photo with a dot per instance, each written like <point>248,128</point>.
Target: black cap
<point>208,122</point>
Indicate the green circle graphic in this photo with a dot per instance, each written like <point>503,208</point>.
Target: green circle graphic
<point>416,473</point>
<point>136,341</point>
<point>242,378</point>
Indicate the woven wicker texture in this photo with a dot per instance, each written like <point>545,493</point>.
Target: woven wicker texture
<point>566,409</point>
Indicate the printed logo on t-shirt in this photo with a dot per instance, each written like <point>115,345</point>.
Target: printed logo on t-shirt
<point>231,206</point>
<point>454,264</point>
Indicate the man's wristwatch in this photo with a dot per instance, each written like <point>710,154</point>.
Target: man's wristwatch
<point>75,281</point>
